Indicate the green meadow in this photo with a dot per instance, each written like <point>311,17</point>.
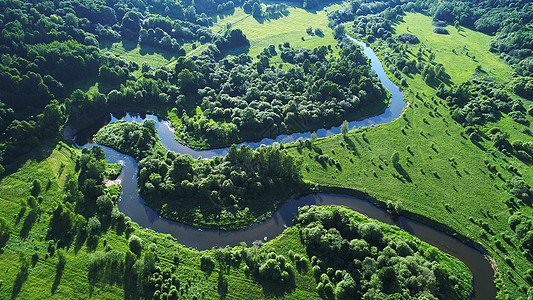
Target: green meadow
<point>42,278</point>
<point>290,28</point>
<point>443,175</point>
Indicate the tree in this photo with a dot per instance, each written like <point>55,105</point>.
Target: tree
<point>207,264</point>
<point>187,82</point>
<point>344,128</point>
<point>257,10</point>
<point>135,245</point>
<point>93,226</point>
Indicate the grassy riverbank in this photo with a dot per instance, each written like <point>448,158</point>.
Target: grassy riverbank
<point>441,173</point>
<point>41,277</point>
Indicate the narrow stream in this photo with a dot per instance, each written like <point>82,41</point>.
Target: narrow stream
<point>132,205</point>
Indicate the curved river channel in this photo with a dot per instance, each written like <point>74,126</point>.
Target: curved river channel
<point>132,205</point>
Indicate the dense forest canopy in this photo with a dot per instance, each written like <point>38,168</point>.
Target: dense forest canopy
<point>354,258</point>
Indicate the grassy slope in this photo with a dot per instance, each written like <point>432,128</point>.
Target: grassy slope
<point>471,48</point>
<point>290,28</point>
<point>468,189</point>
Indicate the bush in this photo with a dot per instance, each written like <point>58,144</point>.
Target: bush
<point>207,264</point>
<point>408,38</point>
<point>93,226</point>
<point>440,30</point>
<point>135,244</point>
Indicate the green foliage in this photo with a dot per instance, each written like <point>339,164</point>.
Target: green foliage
<point>93,226</point>
<point>344,128</point>
<point>207,264</point>
<point>5,232</point>
<point>131,138</point>
<point>359,258</point>
<point>238,188</point>
<point>135,245</point>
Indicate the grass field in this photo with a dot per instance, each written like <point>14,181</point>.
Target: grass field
<point>261,33</point>
<point>41,279</point>
<point>289,28</point>
<point>445,176</point>
<point>55,161</point>
<point>460,51</point>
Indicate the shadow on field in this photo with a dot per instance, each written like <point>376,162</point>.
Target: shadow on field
<point>277,290</point>
<point>37,154</point>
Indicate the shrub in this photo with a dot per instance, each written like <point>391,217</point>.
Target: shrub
<point>408,38</point>
<point>93,226</point>
<point>440,30</point>
<point>207,264</point>
<point>135,244</point>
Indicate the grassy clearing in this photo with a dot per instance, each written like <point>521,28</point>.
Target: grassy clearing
<point>442,175</point>
<point>460,51</point>
<point>139,54</point>
<point>289,28</point>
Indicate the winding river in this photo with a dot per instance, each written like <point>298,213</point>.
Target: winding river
<point>132,205</point>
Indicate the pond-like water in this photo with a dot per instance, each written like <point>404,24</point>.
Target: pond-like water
<point>132,205</point>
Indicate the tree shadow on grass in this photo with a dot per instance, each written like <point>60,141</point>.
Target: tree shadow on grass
<point>277,290</point>
<point>351,145</point>
<point>226,13</point>
<point>22,276</point>
<point>237,51</point>
<point>59,273</point>
<point>402,172</point>
<point>29,222</point>
<point>80,240</point>
<point>37,154</point>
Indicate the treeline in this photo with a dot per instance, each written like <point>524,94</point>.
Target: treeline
<point>132,269</point>
<point>509,20</point>
<point>478,101</point>
<point>229,192</point>
<point>355,258</point>
<point>398,63</point>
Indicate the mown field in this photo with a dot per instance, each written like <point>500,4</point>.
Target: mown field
<point>442,175</point>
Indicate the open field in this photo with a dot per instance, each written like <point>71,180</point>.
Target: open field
<point>286,28</point>
<point>42,275</point>
<point>460,51</point>
<point>444,175</point>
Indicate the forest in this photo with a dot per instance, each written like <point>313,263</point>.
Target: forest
<point>229,192</point>
<point>457,158</point>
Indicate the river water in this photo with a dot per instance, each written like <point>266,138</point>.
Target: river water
<point>132,205</point>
